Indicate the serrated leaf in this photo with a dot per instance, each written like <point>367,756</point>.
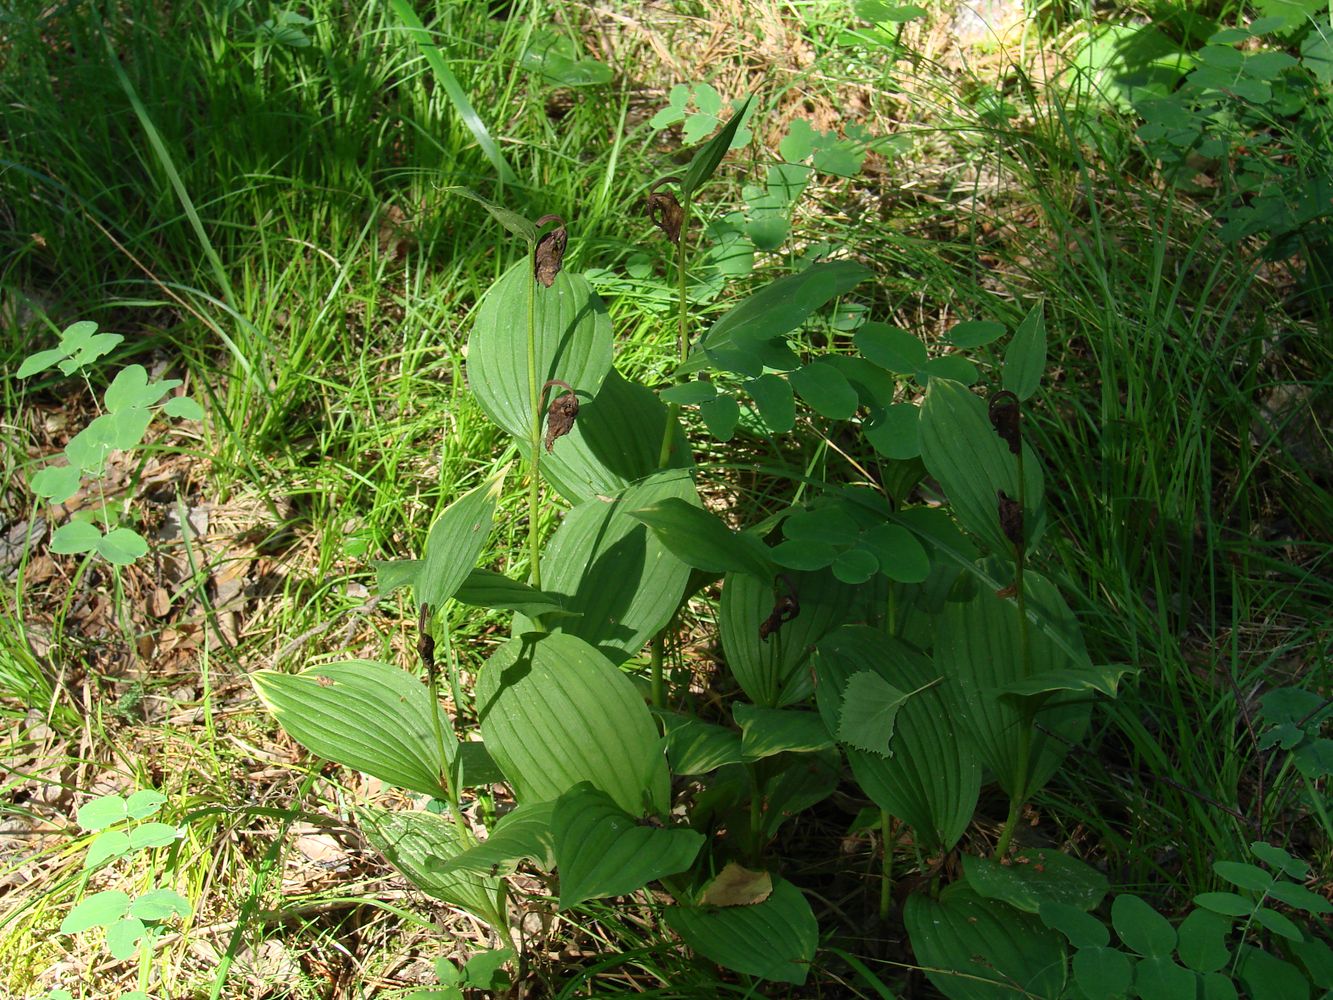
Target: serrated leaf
<point>122,546</point>
<point>767,732</point>
<point>75,537</point>
<point>933,778</point>
<point>98,910</point>
<point>555,712</point>
<point>369,716</point>
<point>455,541</point>
<point>1142,928</point>
<point>601,851</point>
<point>1025,357</point>
<point>106,845</point>
<point>775,939</point>
<point>410,840</point>
<point>870,707</point>
<point>1032,876</point>
<point>620,583</point>
<point>978,948</point>
<point>700,539</point>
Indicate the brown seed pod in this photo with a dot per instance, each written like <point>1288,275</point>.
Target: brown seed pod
<point>785,608</point>
<point>1011,518</point>
<point>549,255</point>
<point>1005,416</point>
<point>426,641</point>
<point>560,415</point>
<point>665,211</point>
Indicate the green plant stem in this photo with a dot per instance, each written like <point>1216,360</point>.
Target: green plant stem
<point>535,442</point>
<point>1027,715</point>
<point>682,329</point>
<point>658,680</point>
<point>449,778</point>
<point>886,883</point>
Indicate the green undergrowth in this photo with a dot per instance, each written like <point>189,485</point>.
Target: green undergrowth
<point>263,202</point>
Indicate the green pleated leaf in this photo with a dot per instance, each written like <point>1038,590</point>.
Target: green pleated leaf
<point>695,747</point>
<point>806,779</point>
<point>963,452</point>
<point>1025,357</point>
<point>773,672</point>
<point>615,442</point>
<point>775,939</point>
<point>1034,876</point>
<point>979,650</point>
<point>1099,679</point>
<point>521,835</point>
<point>767,732</point>
<point>600,850</point>
<point>411,841</point>
<point>825,390</point>
<point>1268,978</point>
<point>932,779</point>
<point>990,951</point>
<point>369,716</point>
<point>573,337</point>
<point>455,541</point>
<point>700,539</point>
<point>484,588</point>
<point>774,310</point>
<point>554,712</point>
<point>617,580</point>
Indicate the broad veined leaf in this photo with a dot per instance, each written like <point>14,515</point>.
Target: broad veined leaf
<point>411,841</point>
<point>573,340</point>
<point>695,747</point>
<point>482,588</point>
<point>972,463</point>
<point>600,850</point>
<point>700,539</point>
<point>455,541</point>
<point>978,949</point>
<point>618,580</point>
<point>615,442</point>
<point>805,779</point>
<point>1032,876</point>
<point>369,716</point>
<point>773,671</point>
<point>1100,679</point>
<point>767,732</point>
<point>775,939</point>
<point>478,767</point>
<point>554,712</point>
<point>932,779</point>
<point>521,835</point>
<point>1025,357</point>
<point>511,220</point>
<point>979,649</point>
<point>775,310</point>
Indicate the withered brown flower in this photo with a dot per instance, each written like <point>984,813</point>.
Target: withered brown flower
<point>1005,416</point>
<point>560,415</point>
<point>785,608</point>
<point>1011,518</point>
<point>665,211</point>
<point>549,256</point>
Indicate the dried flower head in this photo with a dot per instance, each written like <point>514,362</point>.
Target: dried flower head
<point>1004,417</point>
<point>549,255</point>
<point>560,415</point>
<point>665,211</point>
<point>1011,518</point>
<point>785,608</point>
